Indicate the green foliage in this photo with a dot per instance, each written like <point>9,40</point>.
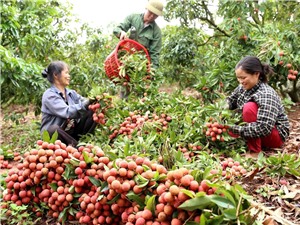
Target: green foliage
<point>246,28</point>
<point>282,164</point>
<point>265,190</point>
<point>30,35</point>
<point>182,62</point>
<point>18,215</point>
<point>46,137</point>
<point>6,152</point>
<point>26,135</point>
<point>3,183</point>
<point>227,206</point>
<point>33,37</point>
<point>287,103</point>
<point>87,60</point>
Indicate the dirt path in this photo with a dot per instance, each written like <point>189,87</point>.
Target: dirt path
<point>293,143</point>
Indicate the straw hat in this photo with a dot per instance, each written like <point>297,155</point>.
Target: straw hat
<point>155,6</point>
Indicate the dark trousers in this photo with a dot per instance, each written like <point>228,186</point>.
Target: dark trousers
<point>71,137</point>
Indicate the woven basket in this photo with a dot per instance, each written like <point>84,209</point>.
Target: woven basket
<point>112,63</point>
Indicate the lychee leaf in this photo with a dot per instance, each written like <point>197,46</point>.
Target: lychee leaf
<point>135,198</point>
<point>150,204</point>
<point>196,203</point>
<point>222,202</point>
<point>53,186</point>
<point>95,181</point>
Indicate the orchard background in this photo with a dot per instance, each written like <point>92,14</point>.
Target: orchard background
<point>153,158</point>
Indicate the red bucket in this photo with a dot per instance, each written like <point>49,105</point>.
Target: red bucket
<point>112,63</point>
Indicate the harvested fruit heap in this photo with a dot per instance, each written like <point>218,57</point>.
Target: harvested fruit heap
<point>54,178</point>
<point>135,122</point>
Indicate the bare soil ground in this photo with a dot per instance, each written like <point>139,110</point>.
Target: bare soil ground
<point>277,199</point>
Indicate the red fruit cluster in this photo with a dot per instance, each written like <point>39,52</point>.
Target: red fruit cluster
<point>30,183</point>
<point>171,194</point>
<point>86,186</point>
<point>189,151</point>
<point>17,156</point>
<point>292,75</point>
<point>100,108</point>
<point>244,37</point>
<point>135,122</point>
<point>215,131</point>
<point>4,164</point>
<point>232,168</point>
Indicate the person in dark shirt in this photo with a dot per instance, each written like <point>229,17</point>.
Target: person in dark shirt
<point>63,109</point>
<point>266,124</point>
<point>144,30</point>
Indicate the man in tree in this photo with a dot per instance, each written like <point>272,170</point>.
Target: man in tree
<point>143,29</point>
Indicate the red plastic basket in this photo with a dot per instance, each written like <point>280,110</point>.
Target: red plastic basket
<point>112,63</point>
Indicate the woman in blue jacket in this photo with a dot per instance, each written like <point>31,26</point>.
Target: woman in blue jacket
<point>63,109</point>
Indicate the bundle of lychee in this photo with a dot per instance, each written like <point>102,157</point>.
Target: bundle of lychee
<point>4,164</point>
<point>292,75</point>
<point>141,123</point>
<point>41,169</point>
<point>8,155</point>
<point>215,131</point>
<point>100,107</point>
<point>189,151</point>
<point>230,169</point>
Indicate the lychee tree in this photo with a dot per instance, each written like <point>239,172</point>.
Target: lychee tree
<point>238,29</point>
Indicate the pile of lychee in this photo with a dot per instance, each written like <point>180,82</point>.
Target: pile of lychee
<point>230,169</point>
<point>142,124</point>
<point>86,186</point>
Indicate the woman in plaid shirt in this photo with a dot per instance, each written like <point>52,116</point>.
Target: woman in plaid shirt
<point>266,124</point>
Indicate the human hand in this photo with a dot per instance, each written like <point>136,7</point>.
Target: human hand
<point>123,35</point>
<point>233,131</point>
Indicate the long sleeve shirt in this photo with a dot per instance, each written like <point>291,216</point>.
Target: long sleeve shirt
<point>270,111</point>
<point>149,36</point>
<point>56,110</point>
